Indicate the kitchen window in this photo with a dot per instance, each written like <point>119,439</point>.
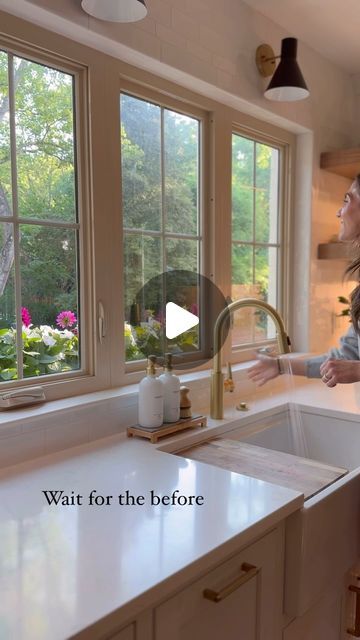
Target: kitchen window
<point>257,241</point>
<point>93,205</point>
<point>41,280</point>
<point>162,204</point>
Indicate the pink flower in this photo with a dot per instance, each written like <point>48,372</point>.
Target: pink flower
<point>194,309</point>
<point>66,319</point>
<point>25,316</point>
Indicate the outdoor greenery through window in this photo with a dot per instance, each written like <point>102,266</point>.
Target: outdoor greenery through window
<point>161,194</point>
<point>39,308</point>
<point>255,235</point>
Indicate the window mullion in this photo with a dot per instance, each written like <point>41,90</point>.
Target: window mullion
<point>15,207</point>
<point>163,212</point>
<point>254,229</point>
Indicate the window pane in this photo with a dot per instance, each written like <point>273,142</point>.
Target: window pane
<point>141,163</point>
<point>265,278</point>
<point>160,191</point>
<point>181,141</point>
<point>255,221</point>
<point>266,273</point>
<point>182,255</point>
<point>8,356</point>
<point>242,287</point>
<point>242,188</point>
<point>267,180</point>
<point>143,318</point>
<point>44,141</point>
<point>5,158</point>
<point>49,289</point>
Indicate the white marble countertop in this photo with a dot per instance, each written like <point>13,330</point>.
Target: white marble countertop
<point>63,568</point>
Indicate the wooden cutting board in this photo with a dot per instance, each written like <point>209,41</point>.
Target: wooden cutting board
<point>302,474</point>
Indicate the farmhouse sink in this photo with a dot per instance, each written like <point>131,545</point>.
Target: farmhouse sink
<point>322,539</point>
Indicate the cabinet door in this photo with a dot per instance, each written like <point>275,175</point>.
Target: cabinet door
<point>248,588</point>
<point>125,634</point>
<point>320,622</point>
<point>351,604</point>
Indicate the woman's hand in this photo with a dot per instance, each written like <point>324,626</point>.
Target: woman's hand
<point>264,370</point>
<point>335,372</point>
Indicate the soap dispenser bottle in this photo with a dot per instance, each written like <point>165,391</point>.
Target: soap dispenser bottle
<point>151,398</point>
<point>171,384</point>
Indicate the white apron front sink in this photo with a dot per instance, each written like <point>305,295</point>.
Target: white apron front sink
<point>323,538</point>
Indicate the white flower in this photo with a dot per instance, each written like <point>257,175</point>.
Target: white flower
<point>129,335</point>
<point>44,328</point>
<point>48,340</point>
<point>9,337</point>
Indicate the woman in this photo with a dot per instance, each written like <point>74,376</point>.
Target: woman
<point>340,365</point>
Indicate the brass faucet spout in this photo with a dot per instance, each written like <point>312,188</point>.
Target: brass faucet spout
<point>216,408</point>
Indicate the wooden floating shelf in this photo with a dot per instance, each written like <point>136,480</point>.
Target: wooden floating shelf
<point>167,428</point>
<point>343,162</point>
<point>334,251</point>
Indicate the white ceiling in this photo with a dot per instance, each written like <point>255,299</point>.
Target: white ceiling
<point>331,27</point>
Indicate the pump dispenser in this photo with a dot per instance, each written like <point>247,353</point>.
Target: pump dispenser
<point>171,384</point>
<point>151,398</point>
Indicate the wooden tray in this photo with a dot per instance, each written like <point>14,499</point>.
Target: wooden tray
<point>167,429</point>
<point>302,474</point>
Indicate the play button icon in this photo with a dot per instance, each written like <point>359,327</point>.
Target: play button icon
<point>173,312</point>
<point>178,320</point>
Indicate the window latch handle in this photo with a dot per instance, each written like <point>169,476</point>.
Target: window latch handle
<point>101,323</point>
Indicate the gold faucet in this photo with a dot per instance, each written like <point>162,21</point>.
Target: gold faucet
<point>217,377</point>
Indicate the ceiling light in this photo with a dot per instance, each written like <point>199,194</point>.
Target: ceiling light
<point>287,83</point>
<point>116,10</point>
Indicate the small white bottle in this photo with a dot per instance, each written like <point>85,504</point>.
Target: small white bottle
<point>151,398</point>
<point>171,384</point>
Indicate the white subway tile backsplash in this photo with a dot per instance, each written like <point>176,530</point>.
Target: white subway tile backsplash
<point>160,11</point>
<point>225,64</point>
<point>23,447</point>
<point>212,40</point>
<point>181,59</point>
<point>146,43</point>
<point>200,52</point>
<point>69,435</point>
<point>89,418</point>
<point>169,35</point>
<point>148,25</point>
<point>225,80</point>
<point>181,23</point>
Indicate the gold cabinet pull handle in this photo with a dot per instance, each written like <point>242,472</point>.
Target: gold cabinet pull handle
<point>356,629</point>
<point>216,596</point>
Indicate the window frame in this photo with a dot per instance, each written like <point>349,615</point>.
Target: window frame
<point>69,383</point>
<point>164,100</point>
<point>222,122</point>
<point>100,77</point>
<point>285,149</point>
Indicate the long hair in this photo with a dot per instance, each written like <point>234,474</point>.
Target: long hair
<point>353,268</point>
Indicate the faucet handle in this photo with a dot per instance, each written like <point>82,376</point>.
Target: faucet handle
<point>228,382</point>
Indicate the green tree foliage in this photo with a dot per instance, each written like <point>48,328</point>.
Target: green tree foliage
<point>253,170</point>
<point>45,189</point>
<point>160,193</point>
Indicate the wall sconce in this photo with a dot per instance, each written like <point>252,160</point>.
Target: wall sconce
<point>287,84</point>
<point>116,10</point>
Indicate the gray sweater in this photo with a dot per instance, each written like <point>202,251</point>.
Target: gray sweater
<point>349,349</point>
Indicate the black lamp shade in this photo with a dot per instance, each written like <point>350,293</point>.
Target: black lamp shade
<point>287,83</point>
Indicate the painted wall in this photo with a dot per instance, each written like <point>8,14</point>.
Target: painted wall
<point>209,47</point>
